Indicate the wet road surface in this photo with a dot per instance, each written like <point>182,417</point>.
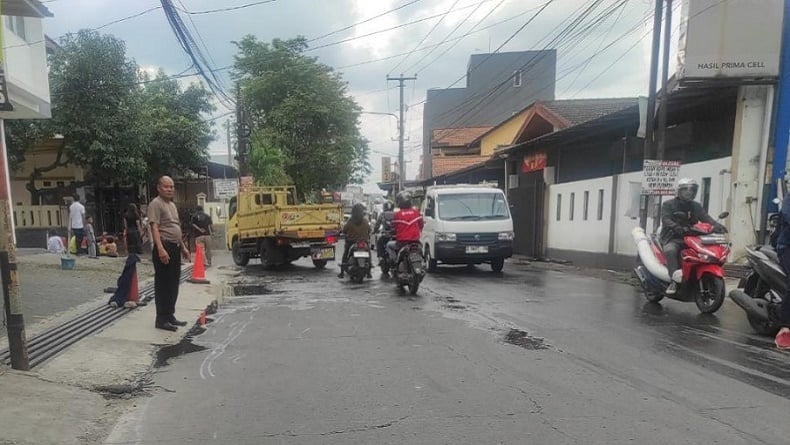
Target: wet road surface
<point>522,357</point>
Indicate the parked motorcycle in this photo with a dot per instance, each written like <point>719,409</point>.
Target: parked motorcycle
<point>410,270</point>
<point>359,261</point>
<point>763,289</point>
<point>702,265</point>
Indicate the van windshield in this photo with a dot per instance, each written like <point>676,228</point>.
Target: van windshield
<point>472,206</point>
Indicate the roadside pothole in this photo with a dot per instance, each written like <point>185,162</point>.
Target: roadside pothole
<point>522,339</point>
<point>243,290</point>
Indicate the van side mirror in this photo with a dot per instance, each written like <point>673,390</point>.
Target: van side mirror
<point>429,212</point>
<point>724,215</point>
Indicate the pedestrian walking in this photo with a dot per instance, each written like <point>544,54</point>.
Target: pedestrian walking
<point>91,235</point>
<point>202,229</point>
<point>132,230</point>
<point>167,252</point>
<point>77,222</point>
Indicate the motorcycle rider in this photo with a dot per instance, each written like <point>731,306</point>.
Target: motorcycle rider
<point>384,224</point>
<point>356,229</point>
<point>783,250</point>
<point>674,227</point>
<point>407,223</point>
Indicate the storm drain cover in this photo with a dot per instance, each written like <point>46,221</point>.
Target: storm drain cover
<point>524,340</point>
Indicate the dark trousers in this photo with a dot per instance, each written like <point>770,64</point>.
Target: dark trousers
<point>381,245</point>
<point>672,250</point>
<point>79,234</point>
<point>783,311</point>
<point>167,277</point>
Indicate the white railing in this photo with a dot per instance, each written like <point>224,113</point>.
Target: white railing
<point>39,216</point>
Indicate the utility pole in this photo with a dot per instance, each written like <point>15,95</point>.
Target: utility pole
<point>401,128</point>
<point>242,136</point>
<point>663,108</point>
<point>8,272</point>
<point>230,146</point>
<point>651,103</point>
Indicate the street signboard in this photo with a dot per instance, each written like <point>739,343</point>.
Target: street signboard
<point>225,188</point>
<point>730,40</point>
<point>659,177</point>
<point>533,162</point>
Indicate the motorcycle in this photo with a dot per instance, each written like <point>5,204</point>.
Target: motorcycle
<point>359,264</point>
<point>410,270</point>
<point>384,259</point>
<point>763,289</point>
<point>702,265</point>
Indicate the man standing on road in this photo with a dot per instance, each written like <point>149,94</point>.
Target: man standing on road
<point>202,227</point>
<point>77,221</point>
<point>167,246</point>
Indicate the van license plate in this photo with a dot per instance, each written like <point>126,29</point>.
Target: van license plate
<point>327,253</point>
<point>476,249</point>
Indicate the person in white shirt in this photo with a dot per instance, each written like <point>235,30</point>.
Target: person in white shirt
<point>77,221</point>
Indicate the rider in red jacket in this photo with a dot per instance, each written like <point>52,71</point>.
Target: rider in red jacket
<point>407,224</point>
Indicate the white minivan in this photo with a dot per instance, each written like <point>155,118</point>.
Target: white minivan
<point>466,224</point>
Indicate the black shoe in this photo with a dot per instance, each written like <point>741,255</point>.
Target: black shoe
<point>175,322</point>
<point>369,275</point>
<point>341,275</point>
<point>166,326</point>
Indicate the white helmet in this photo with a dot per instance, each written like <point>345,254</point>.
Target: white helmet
<point>687,184</point>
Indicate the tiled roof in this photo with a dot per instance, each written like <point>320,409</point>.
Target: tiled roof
<point>441,165</point>
<point>456,137</point>
<point>579,111</point>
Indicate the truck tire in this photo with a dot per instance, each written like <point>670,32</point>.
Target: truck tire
<point>319,264</point>
<point>239,258</point>
<point>497,264</point>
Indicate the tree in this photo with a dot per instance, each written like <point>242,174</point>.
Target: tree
<point>115,122</point>
<point>176,136</point>
<point>302,117</point>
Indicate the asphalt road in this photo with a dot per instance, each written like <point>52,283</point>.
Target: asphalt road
<point>522,357</point>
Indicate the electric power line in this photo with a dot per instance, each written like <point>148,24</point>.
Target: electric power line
<point>436,25</point>
<point>229,8</point>
<point>346,28</point>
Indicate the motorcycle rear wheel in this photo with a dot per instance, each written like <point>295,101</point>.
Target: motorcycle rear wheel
<point>653,297</point>
<point>710,298</point>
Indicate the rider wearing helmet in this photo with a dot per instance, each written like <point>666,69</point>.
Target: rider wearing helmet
<point>407,224</point>
<point>384,223</point>
<point>356,229</point>
<point>678,216</point>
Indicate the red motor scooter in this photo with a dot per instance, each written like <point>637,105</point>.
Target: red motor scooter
<point>702,263</point>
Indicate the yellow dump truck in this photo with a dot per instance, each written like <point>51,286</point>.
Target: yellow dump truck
<point>267,223</point>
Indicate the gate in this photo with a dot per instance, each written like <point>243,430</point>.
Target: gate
<point>527,208</point>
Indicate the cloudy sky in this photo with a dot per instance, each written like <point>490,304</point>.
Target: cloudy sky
<point>607,55</point>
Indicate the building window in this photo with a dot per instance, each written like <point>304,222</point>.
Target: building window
<point>517,79</point>
<point>570,207</point>
<point>17,26</point>
<point>706,194</point>
<point>586,204</point>
<point>600,204</point>
<point>559,206</point>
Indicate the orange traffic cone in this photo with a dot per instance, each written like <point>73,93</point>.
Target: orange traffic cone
<point>199,269</point>
<point>134,289</point>
<point>202,319</point>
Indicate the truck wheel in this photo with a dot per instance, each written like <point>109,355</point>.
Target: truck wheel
<point>497,264</point>
<point>319,264</point>
<point>239,258</point>
<point>429,261</point>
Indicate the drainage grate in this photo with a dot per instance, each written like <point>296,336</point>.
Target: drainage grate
<point>243,290</point>
<point>48,343</point>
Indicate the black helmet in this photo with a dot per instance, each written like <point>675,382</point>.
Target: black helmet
<point>404,200</point>
<point>388,206</point>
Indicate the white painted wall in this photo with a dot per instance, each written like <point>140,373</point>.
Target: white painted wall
<point>590,234</point>
<point>593,235</point>
<point>26,70</point>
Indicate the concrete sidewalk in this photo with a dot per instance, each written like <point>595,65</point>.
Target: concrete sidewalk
<point>75,397</point>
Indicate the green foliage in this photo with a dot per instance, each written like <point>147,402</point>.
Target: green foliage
<point>116,123</point>
<point>303,121</point>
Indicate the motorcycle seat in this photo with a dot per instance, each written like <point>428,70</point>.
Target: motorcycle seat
<point>770,253</point>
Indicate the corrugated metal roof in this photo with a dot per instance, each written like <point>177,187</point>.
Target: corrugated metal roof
<point>579,111</point>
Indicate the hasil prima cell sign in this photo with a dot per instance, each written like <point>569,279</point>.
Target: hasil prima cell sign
<point>733,39</point>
